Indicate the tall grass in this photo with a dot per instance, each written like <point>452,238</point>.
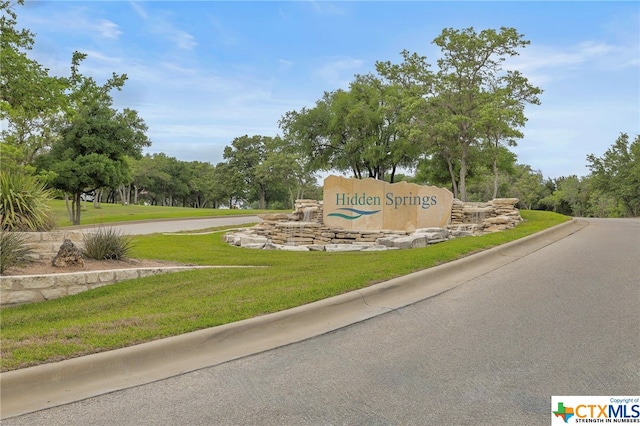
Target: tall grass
<point>13,250</point>
<point>107,244</point>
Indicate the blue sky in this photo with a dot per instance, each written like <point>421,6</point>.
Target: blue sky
<point>204,72</point>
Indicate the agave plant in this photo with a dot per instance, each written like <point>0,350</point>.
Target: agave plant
<point>23,203</point>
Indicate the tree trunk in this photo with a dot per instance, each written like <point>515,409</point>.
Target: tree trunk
<point>76,208</point>
<point>121,191</point>
<point>463,177</point>
<point>69,209</point>
<point>292,198</point>
<point>97,199</point>
<point>495,178</point>
<point>263,201</point>
<point>452,174</point>
<point>135,194</point>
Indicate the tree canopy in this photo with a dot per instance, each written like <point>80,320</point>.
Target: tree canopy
<point>453,123</point>
<point>31,100</point>
<point>94,141</point>
<point>617,173</point>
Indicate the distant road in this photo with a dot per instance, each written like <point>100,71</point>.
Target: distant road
<point>176,225</point>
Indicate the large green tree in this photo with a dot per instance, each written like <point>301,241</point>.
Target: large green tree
<point>283,170</point>
<point>528,186</point>
<point>617,173</point>
<point>477,99</point>
<point>247,156</point>
<point>201,184</point>
<point>95,141</point>
<point>229,184</point>
<point>31,101</point>
<point>470,103</point>
<point>358,131</point>
<point>571,196</point>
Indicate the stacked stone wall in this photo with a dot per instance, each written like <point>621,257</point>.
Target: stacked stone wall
<point>303,229</point>
<point>496,215</point>
<point>45,245</point>
<point>20,289</point>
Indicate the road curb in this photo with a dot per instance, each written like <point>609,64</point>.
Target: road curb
<point>44,386</point>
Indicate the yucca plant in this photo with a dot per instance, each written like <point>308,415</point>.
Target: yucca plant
<point>24,203</point>
<point>13,250</point>
<point>107,244</point>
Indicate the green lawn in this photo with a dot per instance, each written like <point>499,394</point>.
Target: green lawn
<point>110,213</point>
<point>151,308</point>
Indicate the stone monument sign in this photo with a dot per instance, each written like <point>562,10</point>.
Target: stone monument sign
<point>371,204</point>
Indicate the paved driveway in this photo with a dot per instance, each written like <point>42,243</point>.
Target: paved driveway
<point>152,227</point>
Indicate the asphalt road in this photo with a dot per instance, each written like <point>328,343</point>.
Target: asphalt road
<point>152,227</point>
<point>564,320</point>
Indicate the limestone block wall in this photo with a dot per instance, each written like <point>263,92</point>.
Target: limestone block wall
<point>47,244</point>
<point>304,228</point>
<point>19,289</point>
<point>492,216</point>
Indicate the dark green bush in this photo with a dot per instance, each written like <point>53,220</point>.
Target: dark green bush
<point>13,250</point>
<point>107,244</point>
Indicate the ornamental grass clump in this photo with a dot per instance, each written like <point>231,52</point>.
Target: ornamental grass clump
<point>24,204</point>
<point>13,250</point>
<point>107,244</point>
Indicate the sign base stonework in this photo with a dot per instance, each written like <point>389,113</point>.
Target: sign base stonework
<point>371,204</point>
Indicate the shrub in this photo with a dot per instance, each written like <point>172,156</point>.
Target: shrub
<point>13,250</point>
<point>107,244</point>
<point>24,204</point>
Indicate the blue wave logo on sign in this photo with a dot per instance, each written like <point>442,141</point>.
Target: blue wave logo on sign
<point>358,213</point>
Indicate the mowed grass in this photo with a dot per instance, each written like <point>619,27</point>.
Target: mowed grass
<point>110,213</point>
<point>151,308</point>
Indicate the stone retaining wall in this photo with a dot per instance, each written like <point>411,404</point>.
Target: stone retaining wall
<point>46,244</point>
<point>19,289</point>
<point>496,215</point>
<point>303,229</point>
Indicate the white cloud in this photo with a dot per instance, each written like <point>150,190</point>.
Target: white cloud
<point>159,24</point>
<point>93,55</point>
<point>284,65</point>
<point>326,8</point>
<point>542,64</point>
<point>139,10</point>
<point>75,21</point>
<point>223,35</point>
<point>182,39</point>
<point>559,135</point>
<point>340,72</point>
<point>108,29</point>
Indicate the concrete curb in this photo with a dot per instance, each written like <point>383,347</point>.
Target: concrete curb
<point>49,385</point>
